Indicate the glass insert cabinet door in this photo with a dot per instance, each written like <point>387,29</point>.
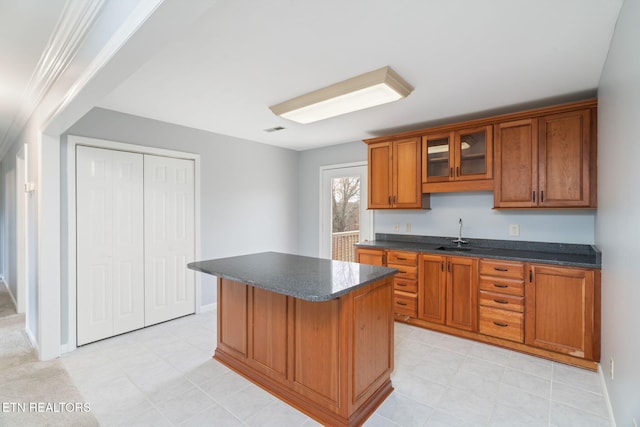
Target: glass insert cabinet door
<point>472,153</point>
<point>458,155</point>
<point>438,158</point>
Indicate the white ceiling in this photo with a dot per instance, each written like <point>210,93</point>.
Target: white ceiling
<point>463,57</point>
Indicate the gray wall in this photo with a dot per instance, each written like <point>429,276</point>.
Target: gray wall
<point>309,188</point>
<point>249,191</point>
<point>480,220</point>
<point>475,208</point>
<point>617,230</point>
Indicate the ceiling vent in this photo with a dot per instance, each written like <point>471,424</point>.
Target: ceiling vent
<point>275,129</point>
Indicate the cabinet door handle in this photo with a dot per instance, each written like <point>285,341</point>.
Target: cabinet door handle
<point>442,266</point>
<point>449,266</point>
<point>502,325</point>
<point>542,196</point>
<point>530,276</point>
<point>457,171</point>
<point>500,269</point>
<point>500,286</point>
<point>533,196</point>
<point>501,301</point>
<point>401,303</point>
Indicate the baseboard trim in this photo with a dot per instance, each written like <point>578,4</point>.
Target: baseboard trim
<point>208,307</point>
<point>612,419</point>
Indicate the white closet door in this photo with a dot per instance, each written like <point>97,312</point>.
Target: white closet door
<point>110,249</point>
<point>169,238</point>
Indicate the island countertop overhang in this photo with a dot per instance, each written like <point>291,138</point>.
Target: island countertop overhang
<point>307,278</point>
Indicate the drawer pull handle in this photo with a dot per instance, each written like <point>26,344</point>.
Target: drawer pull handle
<point>401,259</point>
<point>500,269</point>
<point>502,325</point>
<point>401,303</point>
<point>500,286</point>
<point>501,301</point>
<point>401,284</point>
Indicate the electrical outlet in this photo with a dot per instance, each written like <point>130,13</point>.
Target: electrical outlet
<point>407,227</point>
<point>396,227</point>
<point>611,367</point>
<point>514,230</point>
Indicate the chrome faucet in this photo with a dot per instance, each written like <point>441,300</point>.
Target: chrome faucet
<point>459,240</point>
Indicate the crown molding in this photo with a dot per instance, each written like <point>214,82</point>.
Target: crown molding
<point>68,35</point>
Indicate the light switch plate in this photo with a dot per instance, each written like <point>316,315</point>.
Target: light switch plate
<point>514,230</point>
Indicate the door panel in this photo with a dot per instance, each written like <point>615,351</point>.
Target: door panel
<point>109,243</point>
<point>169,236</point>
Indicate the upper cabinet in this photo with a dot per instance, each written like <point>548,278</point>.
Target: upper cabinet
<point>542,158</point>
<point>547,161</point>
<point>394,175</point>
<point>459,160</point>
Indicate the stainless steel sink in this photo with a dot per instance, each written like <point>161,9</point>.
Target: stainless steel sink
<point>453,248</point>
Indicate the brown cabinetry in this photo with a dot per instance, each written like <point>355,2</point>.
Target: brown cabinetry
<point>447,291</point>
<point>405,282</point>
<point>547,161</point>
<point>331,359</point>
<point>544,310</point>
<point>394,175</point>
<point>371,256</point>
<point>563,310</point>
<point>502,299</point>
<point>459,160</point>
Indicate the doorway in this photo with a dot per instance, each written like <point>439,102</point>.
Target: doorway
<point>345,219</point>
<point>21,233</point>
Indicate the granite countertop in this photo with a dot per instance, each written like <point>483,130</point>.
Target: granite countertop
<point>547,253</point>
<point>307,278</point>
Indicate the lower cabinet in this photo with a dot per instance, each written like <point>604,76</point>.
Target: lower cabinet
<point>447,291</point>
<point>405,282</point>
<point>563,310</point>
<point>502,299</point>
<point>545,310</point>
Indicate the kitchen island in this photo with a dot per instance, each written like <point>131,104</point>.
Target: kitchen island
<point>316,333</point>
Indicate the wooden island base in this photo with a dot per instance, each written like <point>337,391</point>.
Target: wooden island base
<point>331,360</point>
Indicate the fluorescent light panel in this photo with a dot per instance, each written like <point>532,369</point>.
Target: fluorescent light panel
<point>366,90</point>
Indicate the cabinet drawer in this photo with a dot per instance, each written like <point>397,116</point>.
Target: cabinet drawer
<point>405,304</point>
<point>513,270</point>
<point>511,287</point>
<point>405,258</point>
<point>502,324</point>
<point>502,301</point>
<point>405,271</point>
<point>405,285</point>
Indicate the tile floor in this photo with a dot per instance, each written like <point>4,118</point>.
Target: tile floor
<point>164,376</point>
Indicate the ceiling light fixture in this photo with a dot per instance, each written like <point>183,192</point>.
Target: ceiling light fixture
<point>366,90</point>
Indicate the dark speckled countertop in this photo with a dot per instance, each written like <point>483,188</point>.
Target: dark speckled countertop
<point>307,278</point>
<point>547,253</point>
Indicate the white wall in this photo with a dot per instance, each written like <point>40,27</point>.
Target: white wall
<point>8,225</point>
<point>617,230</point>
<point>249,200</point>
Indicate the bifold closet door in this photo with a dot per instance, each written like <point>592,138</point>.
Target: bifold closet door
<point>110,249</point>
<point>169,229</point>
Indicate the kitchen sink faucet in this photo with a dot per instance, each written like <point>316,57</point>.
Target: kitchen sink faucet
<point>459,240</point>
